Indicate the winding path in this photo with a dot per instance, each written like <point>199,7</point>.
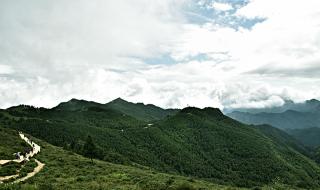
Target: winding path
<point>36,149</point>
<point>31,174</point>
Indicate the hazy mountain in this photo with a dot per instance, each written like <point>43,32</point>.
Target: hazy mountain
<point>309,136</point>
<point>202,143</point>
<point>307,106</point>
<point>305,115</point>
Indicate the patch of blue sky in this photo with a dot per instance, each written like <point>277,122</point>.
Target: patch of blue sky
<point>160,60</point>
<point>202,12</point>
<point>167,59</point>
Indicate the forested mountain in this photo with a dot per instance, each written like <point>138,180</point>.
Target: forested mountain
<point>283,138</point>
<point>202,143</point>
<point>289,119</point>
<point>140,111</point>
<point>309,136</point>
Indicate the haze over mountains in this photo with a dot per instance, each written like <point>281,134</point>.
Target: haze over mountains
<point>288,116</point>
<point>301,120</point>
<point>203,143</point>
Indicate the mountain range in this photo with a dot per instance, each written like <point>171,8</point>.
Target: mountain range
<point>301,120</point>
<point>200,143</point>
<point>288,116</point>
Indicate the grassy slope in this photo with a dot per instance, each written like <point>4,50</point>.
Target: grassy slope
<point>10,143</point>
<point>67,170</point>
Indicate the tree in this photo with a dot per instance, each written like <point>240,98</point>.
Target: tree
<point>89,148</point>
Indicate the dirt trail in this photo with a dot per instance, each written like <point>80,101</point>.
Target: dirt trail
<point>36,150</point>
<point>31,174</point>
<point>8,177</point>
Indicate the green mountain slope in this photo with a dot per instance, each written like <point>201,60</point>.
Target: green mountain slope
<point>140,111</point>
<point>67,170</point>
<point>10,143</point>
<point>309,137</point>
<point>195,142</point>
<point>283,138</point>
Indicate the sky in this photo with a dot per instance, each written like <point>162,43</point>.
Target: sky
<point>171,53</point>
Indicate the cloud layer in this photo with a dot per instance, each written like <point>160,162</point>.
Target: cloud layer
<point>52,51</point>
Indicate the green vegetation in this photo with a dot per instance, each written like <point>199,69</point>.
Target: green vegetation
<point>10,168</point>
<point>283,138</point>
<point>27,168</point>
<point>197,143</point>
<point>67,170</point>
<point>310,137</point>
<point>11,143</point>
<point>317,155</point>
<point>141,111</point>
<point>89,148</point>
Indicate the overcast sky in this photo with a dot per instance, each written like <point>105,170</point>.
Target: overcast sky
<point>226,53</point>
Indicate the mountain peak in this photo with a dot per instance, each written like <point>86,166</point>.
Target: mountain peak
<point>312,101</point>
<point>74,100</point>
<point>119,100</point>
<point>208,111</point>
<point>75,104</point>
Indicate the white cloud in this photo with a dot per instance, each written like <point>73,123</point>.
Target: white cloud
<point>221,6</point>
<point>52,51</point>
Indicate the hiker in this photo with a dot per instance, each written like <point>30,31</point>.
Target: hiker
<point>18,155</point>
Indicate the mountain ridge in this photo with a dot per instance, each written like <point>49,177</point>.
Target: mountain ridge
<point>202,143</point>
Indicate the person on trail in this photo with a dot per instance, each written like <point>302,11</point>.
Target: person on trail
<point>18,155</point>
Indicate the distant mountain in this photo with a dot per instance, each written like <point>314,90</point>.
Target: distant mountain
<point>304,115</point>
<point>309,136</point>
<point>202,143</point>
<point>140,111</point>
<point>312,105</point>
